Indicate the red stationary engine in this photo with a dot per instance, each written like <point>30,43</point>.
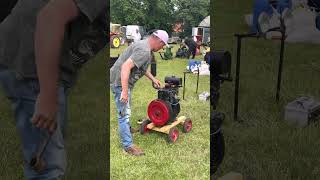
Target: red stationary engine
<point>166,108</point>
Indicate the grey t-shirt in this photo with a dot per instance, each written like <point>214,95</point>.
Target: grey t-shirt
<point>141,55</point>
<point>17,38</point>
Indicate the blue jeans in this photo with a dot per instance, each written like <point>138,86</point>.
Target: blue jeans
<point>23,94</point>
<point>124,112</point>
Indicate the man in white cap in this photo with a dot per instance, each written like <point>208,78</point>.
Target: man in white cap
<point>132,65</point>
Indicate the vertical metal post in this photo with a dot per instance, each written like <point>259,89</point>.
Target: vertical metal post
<point>236,95</point>
<point>198,80</point>
<point>184,83</point>
<point>283,33</point>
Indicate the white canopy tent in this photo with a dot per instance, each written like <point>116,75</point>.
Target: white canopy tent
<point>205,22</point>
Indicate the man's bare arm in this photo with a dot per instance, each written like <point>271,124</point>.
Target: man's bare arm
<point>156,82</point>
<point>125,72</point>
<point>49,35</point>
<point>149,75</point>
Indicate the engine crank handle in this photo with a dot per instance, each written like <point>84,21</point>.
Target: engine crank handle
<point>36,162</point>
<point>44,146</point>
<point>153,85</point>
<point>122,111</point>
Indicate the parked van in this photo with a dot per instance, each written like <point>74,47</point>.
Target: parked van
<point>134,32</point>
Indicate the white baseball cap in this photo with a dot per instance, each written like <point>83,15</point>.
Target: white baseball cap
<point>163,35</point>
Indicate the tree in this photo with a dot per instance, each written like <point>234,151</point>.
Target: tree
<point>127,11</point>
<point>159,14</point>
<point>152,14</point>
<point>191,13</point>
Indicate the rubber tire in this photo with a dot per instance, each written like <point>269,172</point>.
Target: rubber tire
<point>172,130</point>
<point>217,151</point>
<point>115,38</point>
<point>143,127</point>
<point>185,129</point>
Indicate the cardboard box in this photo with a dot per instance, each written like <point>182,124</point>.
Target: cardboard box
<point>302,111</point>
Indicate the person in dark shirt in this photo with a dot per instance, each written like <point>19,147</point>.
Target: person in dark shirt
<point>192,46</point>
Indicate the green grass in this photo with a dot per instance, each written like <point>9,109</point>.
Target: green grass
<point>86,133</point>
<point>188,158</point>
<point>264,146</point>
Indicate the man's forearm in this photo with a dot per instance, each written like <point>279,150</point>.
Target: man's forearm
<point>125,72</point>
<point>48,42</point>
<point>149,75</point>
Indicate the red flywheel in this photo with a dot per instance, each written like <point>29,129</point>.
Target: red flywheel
<point>159,112</point>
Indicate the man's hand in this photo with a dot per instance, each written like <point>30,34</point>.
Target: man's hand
<point>44,116</point>
<point>156,83</point>
<point>124,96</point>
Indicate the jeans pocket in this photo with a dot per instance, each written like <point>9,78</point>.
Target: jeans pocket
<point>28,89</point>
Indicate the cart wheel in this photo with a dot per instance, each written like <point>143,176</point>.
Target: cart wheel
<point>115,42</point>
<point>187,125</point>
<point>143,128</point>
<point>173,135</point>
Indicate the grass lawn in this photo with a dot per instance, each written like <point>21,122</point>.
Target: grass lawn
<point>188,158</point>
<point>264,146</point>
<point>86,134</point>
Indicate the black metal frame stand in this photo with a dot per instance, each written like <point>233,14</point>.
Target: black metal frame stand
<point>255,35</point>
<point>184,81</point>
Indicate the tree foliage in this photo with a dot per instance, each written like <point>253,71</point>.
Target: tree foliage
<point>191,13</point>
<point>159,14</point>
